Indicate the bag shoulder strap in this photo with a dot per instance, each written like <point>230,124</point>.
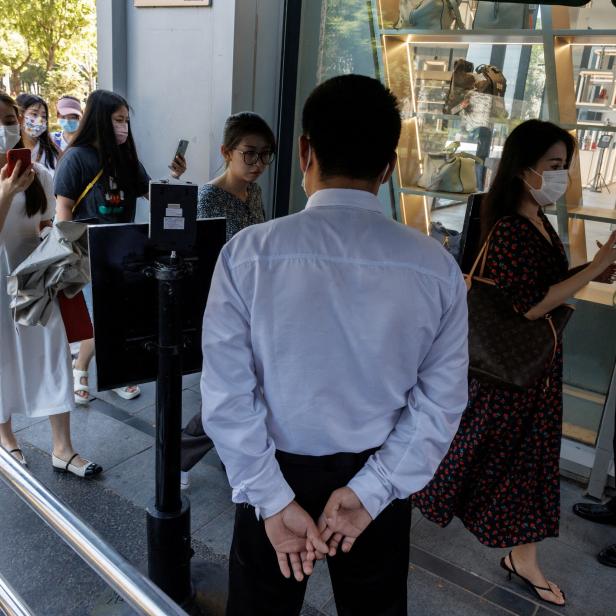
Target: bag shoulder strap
<point>483,253</point>
<point>87,189</point>
<point>455,8</point>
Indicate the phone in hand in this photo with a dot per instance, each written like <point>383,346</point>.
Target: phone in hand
<point>21,154</point>
<point>181,149</point>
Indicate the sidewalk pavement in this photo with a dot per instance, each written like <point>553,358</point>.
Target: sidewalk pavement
<point>450,572</point>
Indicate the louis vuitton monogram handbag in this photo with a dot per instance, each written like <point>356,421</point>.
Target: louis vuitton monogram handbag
<point>505,347</point>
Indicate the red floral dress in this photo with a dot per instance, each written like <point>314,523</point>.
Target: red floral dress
<point>501,474</point>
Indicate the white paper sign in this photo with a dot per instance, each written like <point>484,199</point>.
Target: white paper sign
<point>173,223</point>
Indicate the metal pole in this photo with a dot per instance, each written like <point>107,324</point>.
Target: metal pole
<point>11,603</point>
<point>168,520</point>
<point>131,585</point>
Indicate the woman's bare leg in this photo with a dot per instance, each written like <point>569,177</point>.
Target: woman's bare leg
<point>527,565</point>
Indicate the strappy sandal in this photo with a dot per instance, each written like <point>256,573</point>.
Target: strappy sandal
<point>535,589</point>
<point>78,386</point>
<point>125,394</point>
<point>89,469</point>
<point>22,458</point>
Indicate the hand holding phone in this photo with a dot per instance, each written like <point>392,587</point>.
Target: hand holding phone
<point>20,154</point>
<point>178,164</point>
<point>15,176</point>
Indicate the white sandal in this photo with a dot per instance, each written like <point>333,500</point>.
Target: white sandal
<point>79,386</point>
<point>128,395</point>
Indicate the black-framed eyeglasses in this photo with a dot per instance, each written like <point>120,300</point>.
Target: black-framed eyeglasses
<point>251,157</point>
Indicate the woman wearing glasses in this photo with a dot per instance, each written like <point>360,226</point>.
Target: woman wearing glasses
<point>248,149</point>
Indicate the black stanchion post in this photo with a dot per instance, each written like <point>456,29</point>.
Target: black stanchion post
<point>168,520</point>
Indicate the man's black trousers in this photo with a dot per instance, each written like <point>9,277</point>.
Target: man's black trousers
<point>370,579</point>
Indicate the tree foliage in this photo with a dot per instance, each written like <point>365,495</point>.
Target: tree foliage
<point>49,46</point>
<point>347,43</point>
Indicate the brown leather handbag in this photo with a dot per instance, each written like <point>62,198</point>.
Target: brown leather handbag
<point>505,347</point>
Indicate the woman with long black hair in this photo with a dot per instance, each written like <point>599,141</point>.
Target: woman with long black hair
<point>35,130</point>
<point>501,474</point>
<point>35,370</point>
<point>99,179</point>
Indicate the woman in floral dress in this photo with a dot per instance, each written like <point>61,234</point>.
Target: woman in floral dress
<point>501,474</point>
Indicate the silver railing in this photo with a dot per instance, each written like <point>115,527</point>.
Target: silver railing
<point>139,592</point>
<point>11,603</point>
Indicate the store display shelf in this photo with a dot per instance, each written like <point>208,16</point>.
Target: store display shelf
<point>439,194</point>
<point>598,293</point>
<point>586,212</point>
<point>587,37</point>
<point>599,126</point>
<point>430,115</point>
<point>584,394</point>
<point>594,106</point>
<point>597,214</point>
<point>463,37</point>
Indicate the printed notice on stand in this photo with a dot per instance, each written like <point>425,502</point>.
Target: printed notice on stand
<point>172,3</point>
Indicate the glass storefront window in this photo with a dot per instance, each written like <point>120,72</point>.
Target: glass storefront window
<point>555,68</point>
<point>347,44</point>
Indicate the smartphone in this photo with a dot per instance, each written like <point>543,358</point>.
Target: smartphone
<point>21,154</point>
<point>181,149</point>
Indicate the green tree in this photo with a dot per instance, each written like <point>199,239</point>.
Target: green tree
<point>347,44</point>
<point>15,56</point>
<point>49,26</point>
<point>49,46</point>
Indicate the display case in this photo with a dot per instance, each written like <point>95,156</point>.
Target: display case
<point>551,67</point>
<point>558,65</point>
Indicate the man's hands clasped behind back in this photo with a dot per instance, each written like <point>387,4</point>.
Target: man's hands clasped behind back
<point>298,541</point>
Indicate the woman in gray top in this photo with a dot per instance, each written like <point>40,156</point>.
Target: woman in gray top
<point>248,148</point>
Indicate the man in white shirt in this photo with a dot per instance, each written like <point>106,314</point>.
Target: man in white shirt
<point>335,370</point>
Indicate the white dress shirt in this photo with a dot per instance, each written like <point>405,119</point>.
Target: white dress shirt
<point>334,330</point>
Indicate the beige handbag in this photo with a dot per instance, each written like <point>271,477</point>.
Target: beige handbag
<point>449,171</point>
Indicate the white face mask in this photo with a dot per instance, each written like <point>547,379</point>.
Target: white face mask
<point>554,185</point>
<point>9,136</point>
<point>306,169</point>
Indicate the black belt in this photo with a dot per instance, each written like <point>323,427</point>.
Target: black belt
<point>334,461</point>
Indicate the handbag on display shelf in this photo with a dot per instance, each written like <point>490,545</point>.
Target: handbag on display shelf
<point>75,316</point>
<point>461,84</point>
<point>506,15</point>
<point>429,14</point>
<point>479,98</point>
<point>476,110</point>
<point>504,346</point>
<point>492,81</point>
<point>449,239</point>
<point>449,171</point>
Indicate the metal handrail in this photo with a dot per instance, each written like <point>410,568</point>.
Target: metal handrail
<point>130,584</point>
<point>11,603</point>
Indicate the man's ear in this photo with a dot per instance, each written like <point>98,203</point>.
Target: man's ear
<point>304,149</point>
<point>392,168</point>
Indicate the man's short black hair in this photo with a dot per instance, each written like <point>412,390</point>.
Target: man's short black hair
<point>353,123</point>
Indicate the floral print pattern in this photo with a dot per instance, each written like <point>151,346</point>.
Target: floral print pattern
<point>214,201</point>
<point>501,474</point>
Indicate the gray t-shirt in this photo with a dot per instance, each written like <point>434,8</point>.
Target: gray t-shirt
<point>107,201</point>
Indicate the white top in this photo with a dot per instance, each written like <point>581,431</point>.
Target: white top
<point>334,330</point>
<point>35,362</point>
<point>43,161</point>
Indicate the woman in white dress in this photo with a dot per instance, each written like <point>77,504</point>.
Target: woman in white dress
<point>35,364</point>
